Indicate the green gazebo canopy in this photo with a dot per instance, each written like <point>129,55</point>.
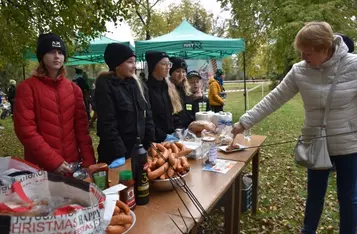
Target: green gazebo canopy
<point>189,43</point>
<point>93,55</point>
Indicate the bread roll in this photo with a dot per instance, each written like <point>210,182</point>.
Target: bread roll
<point>198,126</point>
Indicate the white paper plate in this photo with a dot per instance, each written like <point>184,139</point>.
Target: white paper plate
<point>134,220</point>
<point>224,148</point>
<point>191,144</point>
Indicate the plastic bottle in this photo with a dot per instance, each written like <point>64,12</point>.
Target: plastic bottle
<point>127,195</point>
<point>138,162</point>
<point>221,121</point>
<point>98,174</point>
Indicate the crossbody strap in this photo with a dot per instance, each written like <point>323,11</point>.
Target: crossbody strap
<point>331,92</point>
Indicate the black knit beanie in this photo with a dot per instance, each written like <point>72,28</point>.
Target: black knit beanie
<point>177,63</point>
<point>116,53</point>
<point>47,42</point>
<point>152,58</point>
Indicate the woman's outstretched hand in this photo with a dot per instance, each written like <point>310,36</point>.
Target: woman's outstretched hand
<point>237,129</point>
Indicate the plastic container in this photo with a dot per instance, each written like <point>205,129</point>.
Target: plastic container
<point>98,174</point>
<point>246,193</point>
<point>127,195</point>
<point>209,150</point>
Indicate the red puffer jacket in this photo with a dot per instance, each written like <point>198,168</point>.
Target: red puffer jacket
<point>51,122</point>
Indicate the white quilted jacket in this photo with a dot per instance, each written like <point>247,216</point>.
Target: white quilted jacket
<point>314,85</point>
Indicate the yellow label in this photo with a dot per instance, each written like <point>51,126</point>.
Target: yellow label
<point>188,106</point>
<point>143,187</point>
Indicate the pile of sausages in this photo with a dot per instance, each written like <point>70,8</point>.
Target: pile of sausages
<point>121,219</point>
<point>161,156</point>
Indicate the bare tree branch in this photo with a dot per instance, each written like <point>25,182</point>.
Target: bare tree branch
<point>157,1</point>
<point>140,17</point>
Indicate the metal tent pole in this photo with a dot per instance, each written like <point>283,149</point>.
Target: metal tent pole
<point>245,84</point>
<point>23,71</point>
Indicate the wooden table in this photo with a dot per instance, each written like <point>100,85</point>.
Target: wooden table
<point>246,156</point>
<point>208,187</point>
<point>150,221</point>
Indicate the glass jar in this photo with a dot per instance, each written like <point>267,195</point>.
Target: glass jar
<point>209,150</point>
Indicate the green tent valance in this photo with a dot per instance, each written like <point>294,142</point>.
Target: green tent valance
<point>189,43</point>
<point>93,55</point>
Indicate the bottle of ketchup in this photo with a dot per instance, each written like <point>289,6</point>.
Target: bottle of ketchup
<point>127,195</point>
<point>98,174</point>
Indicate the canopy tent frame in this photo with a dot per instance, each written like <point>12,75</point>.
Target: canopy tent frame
<point>187,42</point>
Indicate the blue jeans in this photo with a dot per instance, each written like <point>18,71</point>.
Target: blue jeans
<point>346,169</point>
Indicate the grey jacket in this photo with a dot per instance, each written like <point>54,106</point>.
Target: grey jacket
<point>314,85</point>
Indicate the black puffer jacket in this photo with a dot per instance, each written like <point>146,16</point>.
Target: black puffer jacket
<point>190,107</point>
<point>162,111</point>
<point>123,115</point>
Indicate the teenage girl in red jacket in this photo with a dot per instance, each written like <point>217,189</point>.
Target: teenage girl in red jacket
<point>49,116</point>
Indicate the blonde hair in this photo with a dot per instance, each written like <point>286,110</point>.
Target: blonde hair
<point>140,84</point>
<point>186,87</point>
<point>41,71</point>
<point>318,35</point>
<point>174,96</point>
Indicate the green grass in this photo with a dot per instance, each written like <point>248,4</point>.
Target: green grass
<point>282,184</point>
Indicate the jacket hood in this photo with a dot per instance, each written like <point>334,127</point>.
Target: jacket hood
<point>341,50</point>
<point>211,80</point>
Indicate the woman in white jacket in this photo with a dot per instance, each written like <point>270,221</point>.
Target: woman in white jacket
<point>322,52</point>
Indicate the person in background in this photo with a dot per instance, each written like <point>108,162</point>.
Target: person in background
<point>80,79</point>
<point>49,116</point>
<point>164,99</point>
<point>94,109</point>
<point>200,102</point>
<point>178,78</point>
<point>219,77</point>
<point>348,41</point>
<point>123,109</point>
<point>1,95</point>
<point>215,100</point>
<point>11,92</point>
<point>322,53</point>
<point>142,77</point>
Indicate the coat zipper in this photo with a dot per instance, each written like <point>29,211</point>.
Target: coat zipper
<point>59,116</point>
<point>136,111</point>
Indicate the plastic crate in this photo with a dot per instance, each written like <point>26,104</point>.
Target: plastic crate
<point>247,189</point>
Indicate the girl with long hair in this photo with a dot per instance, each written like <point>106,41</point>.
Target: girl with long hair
<point>123,109</point>
<point>164,98</point>
<point>49,117</point>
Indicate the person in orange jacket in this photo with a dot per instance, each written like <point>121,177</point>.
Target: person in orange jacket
<point>216,102</point>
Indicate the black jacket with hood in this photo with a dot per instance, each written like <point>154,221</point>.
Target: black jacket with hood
<point>123,115</point>
<point>162,111</point>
